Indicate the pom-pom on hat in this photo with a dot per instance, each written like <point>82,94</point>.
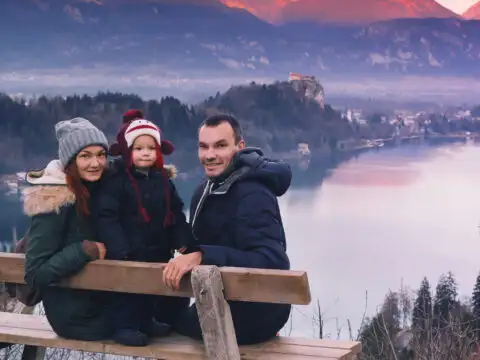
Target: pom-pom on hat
<point>120,146</point>
<point>132,114</point>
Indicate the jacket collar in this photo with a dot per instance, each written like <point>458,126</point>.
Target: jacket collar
<point>52,174</point>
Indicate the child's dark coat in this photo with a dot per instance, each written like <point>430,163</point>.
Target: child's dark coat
<point>121,228</point>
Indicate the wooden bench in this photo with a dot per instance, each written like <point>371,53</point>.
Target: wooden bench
<point>211,287</point>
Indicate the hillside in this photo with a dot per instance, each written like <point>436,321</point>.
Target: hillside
<point>268,10</point>
<point>473,13</point>
<point>275,117</point>
<point>361,12</point>
<point>74,32</point>
<point>344,11</point>
<point>192,37</point>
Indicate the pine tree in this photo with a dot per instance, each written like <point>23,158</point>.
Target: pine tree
<point>390,313</point>
<point>476,305</point>
<point>377,333</point>
<point>422,310</point>
<point>445,298</point>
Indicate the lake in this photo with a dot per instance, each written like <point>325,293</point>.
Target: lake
<point>379,220</point>
<point>372,221</point>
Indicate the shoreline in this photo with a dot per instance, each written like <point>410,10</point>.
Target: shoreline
<point>373,144</point>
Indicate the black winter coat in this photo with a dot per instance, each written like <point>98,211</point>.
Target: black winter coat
<point>237,222</point>
<point>118,221</point>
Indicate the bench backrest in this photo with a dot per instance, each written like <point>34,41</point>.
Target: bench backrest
<point>241,284</point>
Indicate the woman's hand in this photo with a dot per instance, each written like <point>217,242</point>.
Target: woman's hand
<point>102,250</point>
<point>95,250</point>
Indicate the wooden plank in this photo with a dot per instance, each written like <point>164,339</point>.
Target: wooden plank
<point>214,314</point>
<point>35,331</point>
<point>32,352</point>
<point>296,352</point>
<point>291,287</point>
<point>273,347</point>
<point>159,349</point>
<point>241,284</point>
<point>50,339</point>
<point>354,346</point>
<point>41,323</point>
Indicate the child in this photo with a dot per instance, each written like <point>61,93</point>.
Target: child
<point>139,217</point>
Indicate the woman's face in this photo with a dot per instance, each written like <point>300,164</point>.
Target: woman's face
<point>91,162</point>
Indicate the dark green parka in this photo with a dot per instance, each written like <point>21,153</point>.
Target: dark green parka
<point>54,252</point>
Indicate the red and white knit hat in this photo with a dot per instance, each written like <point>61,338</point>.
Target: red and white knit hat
<point>120,146</point>
<point>141,127</point>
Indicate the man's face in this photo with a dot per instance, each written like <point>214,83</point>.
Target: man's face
<point>216,147</point>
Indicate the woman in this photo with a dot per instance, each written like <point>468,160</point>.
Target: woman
<point>61,238</point>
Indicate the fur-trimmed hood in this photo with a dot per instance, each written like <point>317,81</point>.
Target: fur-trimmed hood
<point>171,171</point>
<point>48,191</point>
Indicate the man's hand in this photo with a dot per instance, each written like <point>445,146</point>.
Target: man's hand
<point>179,266</point>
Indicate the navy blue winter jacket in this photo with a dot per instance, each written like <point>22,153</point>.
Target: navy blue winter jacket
<point>117,218</point>
<point>236,222</point>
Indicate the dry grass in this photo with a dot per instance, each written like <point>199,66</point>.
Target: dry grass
<point>390,335</point>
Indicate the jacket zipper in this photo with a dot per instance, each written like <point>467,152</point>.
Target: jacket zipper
<point>206,192</point>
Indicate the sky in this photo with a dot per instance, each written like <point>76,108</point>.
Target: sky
<point>459,6</point>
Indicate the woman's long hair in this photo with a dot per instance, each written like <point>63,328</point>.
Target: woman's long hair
<point>75,184</point>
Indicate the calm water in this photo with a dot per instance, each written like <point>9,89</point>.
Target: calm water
<point>374,221</point>
<point>386,217</point>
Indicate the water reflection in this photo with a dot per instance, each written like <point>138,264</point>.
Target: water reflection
<point>400,213</point>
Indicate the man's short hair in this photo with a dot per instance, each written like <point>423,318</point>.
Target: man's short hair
<point>216,120</point>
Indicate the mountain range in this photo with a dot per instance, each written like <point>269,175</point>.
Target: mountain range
<point>473,12</point>
<point>341,11</point>
<point>210,37</point>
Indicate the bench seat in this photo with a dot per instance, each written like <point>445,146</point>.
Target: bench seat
<point>36,331</point>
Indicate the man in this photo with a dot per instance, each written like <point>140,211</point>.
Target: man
<point>236,220</point>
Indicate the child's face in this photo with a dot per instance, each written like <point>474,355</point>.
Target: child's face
<point>144,153</point>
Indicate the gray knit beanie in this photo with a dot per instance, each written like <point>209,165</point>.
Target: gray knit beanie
<point>75,134</point>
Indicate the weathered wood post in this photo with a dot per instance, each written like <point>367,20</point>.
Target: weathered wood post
<point>32,352</point>
<point>214,314</point>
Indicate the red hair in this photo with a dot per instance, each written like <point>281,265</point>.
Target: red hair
<point>75,184</point>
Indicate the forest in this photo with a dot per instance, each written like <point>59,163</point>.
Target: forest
<point>274,117</point>
<point>429,325</point>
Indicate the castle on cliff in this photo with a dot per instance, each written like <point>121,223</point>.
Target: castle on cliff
<point>308,85</point>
